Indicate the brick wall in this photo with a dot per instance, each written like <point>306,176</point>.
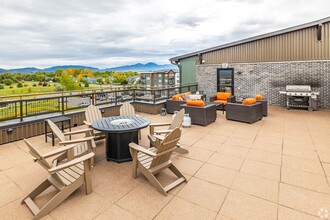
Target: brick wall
<point>269,78</point>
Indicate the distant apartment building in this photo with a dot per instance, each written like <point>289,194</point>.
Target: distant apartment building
<point>158,78</point>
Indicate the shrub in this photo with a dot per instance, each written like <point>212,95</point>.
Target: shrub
<point>8,82</point>
<point>26,85</point>
<point>34,85</point>
<point>1,86</point>
<point>10,87</point>
<point>19,85</point>
<point>44,84</point>
<point>59,89</point>
<point>86,84</point>
<point>40,84</point>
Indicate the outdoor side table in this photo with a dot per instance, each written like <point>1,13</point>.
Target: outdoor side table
<point>120,131</point>
<point>62,119</point>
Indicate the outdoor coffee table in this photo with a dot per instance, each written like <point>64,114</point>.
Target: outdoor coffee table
<point>120,131</point>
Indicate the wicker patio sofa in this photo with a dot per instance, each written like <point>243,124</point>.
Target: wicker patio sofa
<point>244,113</point>
<point>174,105</point>
<point>201,115</point>
<point>264,107</point>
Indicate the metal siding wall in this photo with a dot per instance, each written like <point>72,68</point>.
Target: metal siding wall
<point>293,46</point>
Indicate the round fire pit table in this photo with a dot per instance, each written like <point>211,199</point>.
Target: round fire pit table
<point>120,131</point>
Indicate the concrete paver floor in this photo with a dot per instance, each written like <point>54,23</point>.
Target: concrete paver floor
<point>277,168</point>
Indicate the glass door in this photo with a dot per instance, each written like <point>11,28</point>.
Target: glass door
<point>225,80</point>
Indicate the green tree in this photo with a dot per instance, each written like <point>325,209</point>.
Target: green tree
<point>107,80</point>
<point>8,82</point>
<point>68,82</point>
<point>119,78</point>
<point>99,81</point>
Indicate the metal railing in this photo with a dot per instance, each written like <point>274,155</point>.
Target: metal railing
<point>20,107</point>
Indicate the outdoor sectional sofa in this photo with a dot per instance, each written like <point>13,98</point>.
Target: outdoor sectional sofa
<point>174,105</point>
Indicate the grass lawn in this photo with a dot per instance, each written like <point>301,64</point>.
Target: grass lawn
<point>26,90</point>
<point>30,89</point>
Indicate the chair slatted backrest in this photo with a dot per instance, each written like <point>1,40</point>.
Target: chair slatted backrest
<point>178,119</point>
<point>38,158</point>
<point>56,130</point>
<point>92,113</point>
<point>166,147</point>
<point>42,161</point>
<point>127,110</point>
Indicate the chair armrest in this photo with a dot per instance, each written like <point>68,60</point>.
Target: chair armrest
<point>231,99</point>
<point>163,131</point>
<point>212,98</point>
<point>88,123</point>
<point>78,132</point>
<point>159,124</point>
<point>136,147</point>
<point>58,151</point>
<point>75,141</point>
<point>152,126</point>
<point>160,137</point>
<point>71,163</point>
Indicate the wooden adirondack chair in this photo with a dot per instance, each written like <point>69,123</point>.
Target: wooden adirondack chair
<point>65,178</point>
<point>128,110</point>
<point>80,145</point>
<point>92,114</point>
<point>153,160</point>
<point>176,123</point>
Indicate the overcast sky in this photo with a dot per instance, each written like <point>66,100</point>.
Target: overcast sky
<point>107,33</point>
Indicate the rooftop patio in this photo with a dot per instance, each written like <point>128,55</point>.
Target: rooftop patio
<point>277,168</point>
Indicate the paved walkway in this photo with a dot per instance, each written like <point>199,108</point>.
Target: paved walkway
<point>277,168</point>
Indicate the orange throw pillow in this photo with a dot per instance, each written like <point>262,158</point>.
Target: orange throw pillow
<point>258,97</point>
<point>195,102</point>
<point>249,101</point>
<point>175,97</point>
<point>223,95</point>
<point>181,96</point>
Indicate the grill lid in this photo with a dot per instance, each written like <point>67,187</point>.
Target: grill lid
<point>298,88</point>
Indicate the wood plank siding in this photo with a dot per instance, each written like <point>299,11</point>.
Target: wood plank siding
<point>297,45</point>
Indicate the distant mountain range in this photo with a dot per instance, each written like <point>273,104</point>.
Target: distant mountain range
<point>139,67</point>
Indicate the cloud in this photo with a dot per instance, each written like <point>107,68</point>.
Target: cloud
<point>106,33</point>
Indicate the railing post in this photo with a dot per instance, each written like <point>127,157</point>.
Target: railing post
<point>154,96</point>
<point>21,109</point>
<point>115,97</point>
<point>62,98</point>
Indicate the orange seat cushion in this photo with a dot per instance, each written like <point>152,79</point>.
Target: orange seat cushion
<point>195,102</point>
<point>249,101</point>
<point>223,95</point>
<point>258,97</point>
<point>175,97</point>
<point>222,101</point>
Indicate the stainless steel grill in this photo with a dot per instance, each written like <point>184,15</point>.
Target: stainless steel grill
<point>300,96</point>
